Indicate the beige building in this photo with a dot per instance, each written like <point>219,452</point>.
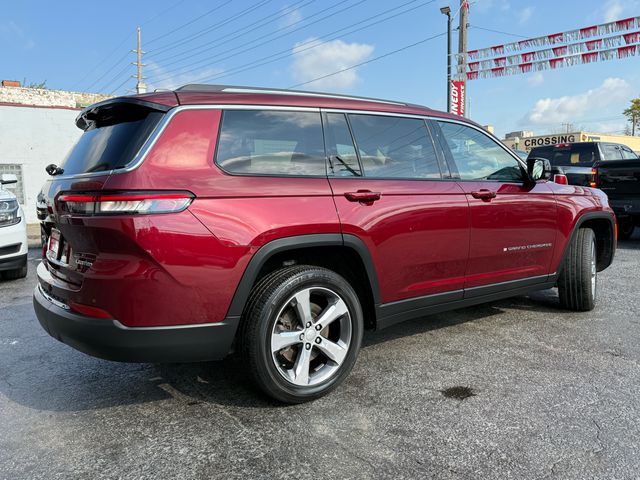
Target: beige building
<point>526,141</point>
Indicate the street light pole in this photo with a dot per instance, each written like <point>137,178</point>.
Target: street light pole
<point>447,11</point>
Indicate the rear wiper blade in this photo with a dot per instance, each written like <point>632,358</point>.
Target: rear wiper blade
<point>52,169</point>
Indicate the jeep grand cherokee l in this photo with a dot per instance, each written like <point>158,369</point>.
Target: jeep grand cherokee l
<point>281,224</point>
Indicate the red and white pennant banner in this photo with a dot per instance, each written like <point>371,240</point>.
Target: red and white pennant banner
<point>557,62</point>
<point>557,38</point>
<point>560,51</point>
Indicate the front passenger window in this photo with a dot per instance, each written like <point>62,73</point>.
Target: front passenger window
<point>477,156</point>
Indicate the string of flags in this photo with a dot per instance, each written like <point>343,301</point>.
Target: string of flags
<point>557,38</point>
<point>557,62</point>
<point>563,50</point>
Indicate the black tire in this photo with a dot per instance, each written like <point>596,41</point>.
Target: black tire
<point>15,274</point>
<point>578,277</point>
<point>625,228</point>
<point>269,298</point>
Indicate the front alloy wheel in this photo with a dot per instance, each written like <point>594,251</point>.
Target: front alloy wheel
<point>301,333</point>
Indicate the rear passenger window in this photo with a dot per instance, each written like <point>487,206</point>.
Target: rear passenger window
<point>611,152</point>
<point>394,147</point>
<point>342,154</point>
<point>271,142</point>
<point>477,156</point>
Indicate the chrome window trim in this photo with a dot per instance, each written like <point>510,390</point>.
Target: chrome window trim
<point>139,158</point>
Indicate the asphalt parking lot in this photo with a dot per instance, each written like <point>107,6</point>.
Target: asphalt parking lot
<point>553,394</point>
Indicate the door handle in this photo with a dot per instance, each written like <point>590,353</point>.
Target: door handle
<point>363,196</point>
<point>484,194</point>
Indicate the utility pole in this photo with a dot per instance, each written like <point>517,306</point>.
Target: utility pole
<point>140,86</point>
<point>447,11</point>
<point>568,126</point>
<point>462,48</point>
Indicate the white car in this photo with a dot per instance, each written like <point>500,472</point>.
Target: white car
<point>13,233</point>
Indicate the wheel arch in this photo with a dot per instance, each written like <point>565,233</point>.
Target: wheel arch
<point>603,225</point>
<point>345,254</point>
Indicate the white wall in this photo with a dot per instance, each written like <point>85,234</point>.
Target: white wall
<point>34,137</point>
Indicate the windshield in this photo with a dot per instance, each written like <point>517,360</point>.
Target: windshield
<point>111,144</point>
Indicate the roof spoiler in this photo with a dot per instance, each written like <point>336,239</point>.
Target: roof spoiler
<point>88,116</point>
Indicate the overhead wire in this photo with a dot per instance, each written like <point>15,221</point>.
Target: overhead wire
<point>380,57</point>
<point>314,43</point>
<point>233,52</point>
<point>246,29</point>
<point>117,48</point>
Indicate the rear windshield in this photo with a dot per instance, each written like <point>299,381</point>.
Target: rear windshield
<point>111,140</point>
<point>567,155</point>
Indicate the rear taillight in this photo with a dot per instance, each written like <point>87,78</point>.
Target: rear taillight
<point>561,179</point>
<point>594,178</point>
<point>123,203</point>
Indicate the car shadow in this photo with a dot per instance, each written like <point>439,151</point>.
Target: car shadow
<point>75,382</point>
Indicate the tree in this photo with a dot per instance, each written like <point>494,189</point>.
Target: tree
<point>633,114</point>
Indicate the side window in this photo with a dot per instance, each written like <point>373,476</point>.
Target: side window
<point>343,160</point>
<point>611,151</point>
<point>270,142</point>
<point>477,156</point>
<point>394,147</point>
<point>627,154</point>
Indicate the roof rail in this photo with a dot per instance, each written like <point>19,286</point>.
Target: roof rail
<point>195,87</point>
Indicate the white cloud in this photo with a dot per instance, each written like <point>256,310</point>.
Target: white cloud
<point>292,17</point>
<point>617,9</point>
<point>612,10</point>
<point>525,14</point>
<point>607,99</point>
<point>161,78</point>
<point>535,79</point>
<point>310,63</point>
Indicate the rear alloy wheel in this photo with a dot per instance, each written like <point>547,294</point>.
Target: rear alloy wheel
<point>301,333</point>
<point>577,284</point>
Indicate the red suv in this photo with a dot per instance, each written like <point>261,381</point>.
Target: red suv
<point>281,224</point>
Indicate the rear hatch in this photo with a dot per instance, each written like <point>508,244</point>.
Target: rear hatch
<point>115,133</point>
<point>620,180</point>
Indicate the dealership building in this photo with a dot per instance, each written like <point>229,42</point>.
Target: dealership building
<point>526,140</point>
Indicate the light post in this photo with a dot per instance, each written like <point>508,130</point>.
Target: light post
<point>447,11</point>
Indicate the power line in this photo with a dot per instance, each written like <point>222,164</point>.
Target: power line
<point>221,23</point>
<point>258,39</point>
<point>245,29</point>
<point>315,43</point>
<point>117,48</point>
<point>401,49</point>
<point>306,45</point>
<point>498,31</point>
<point>208,12</point>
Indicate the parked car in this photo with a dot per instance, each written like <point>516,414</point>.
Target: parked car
<point>620,180</point>
<point>13,232</point>
<point>281,224</point>
<point>577,159</point>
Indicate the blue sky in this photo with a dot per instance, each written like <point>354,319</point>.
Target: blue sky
<point>84,46</point>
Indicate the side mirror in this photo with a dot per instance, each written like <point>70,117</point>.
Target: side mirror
<point>7,178</point>
<point>539,169</point>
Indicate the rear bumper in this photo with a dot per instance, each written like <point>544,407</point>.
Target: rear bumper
<point>109,339</point>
